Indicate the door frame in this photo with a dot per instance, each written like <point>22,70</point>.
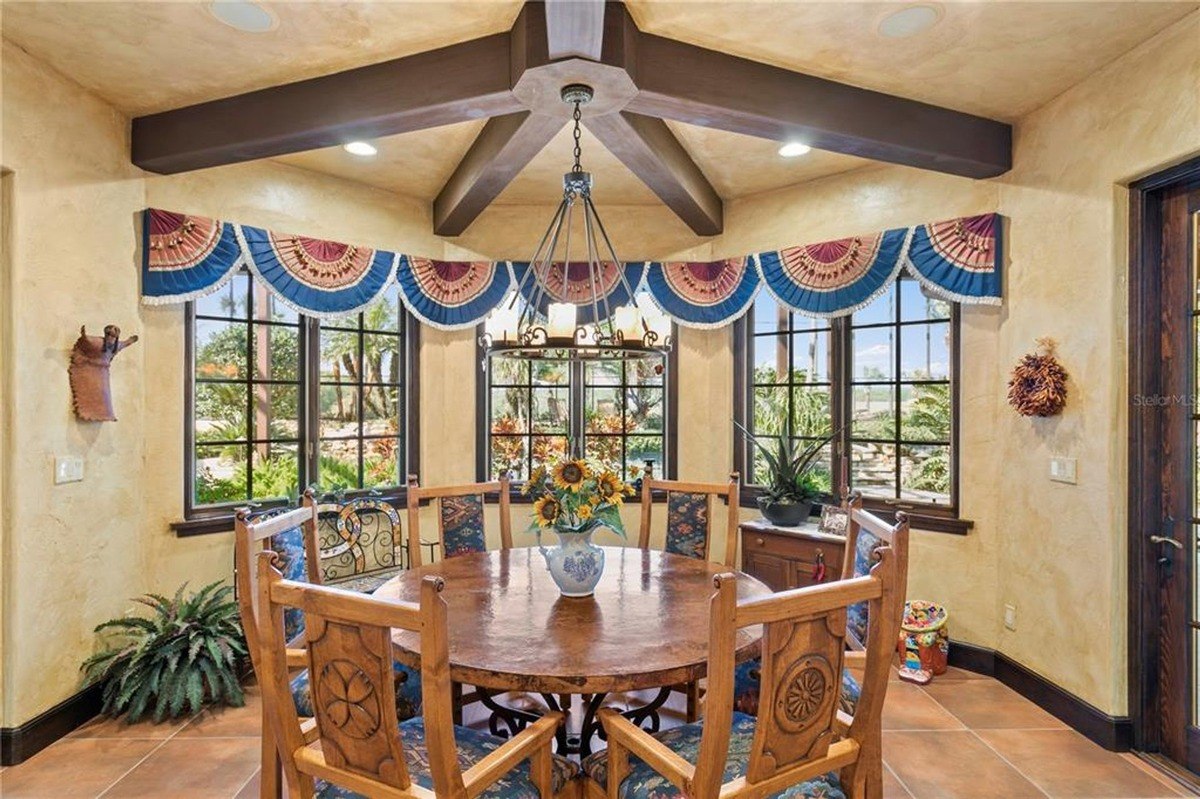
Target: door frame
<point>1144,501</point>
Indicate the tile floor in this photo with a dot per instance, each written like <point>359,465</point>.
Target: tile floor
<point>963,737</point>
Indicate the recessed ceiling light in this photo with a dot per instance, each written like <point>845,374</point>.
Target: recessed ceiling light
<point>360,148</point>
<point>793,149</point>
<point>243,15</point>
<point>909,21</point>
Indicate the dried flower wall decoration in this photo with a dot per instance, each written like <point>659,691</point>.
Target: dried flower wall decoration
<point>1038,386</point>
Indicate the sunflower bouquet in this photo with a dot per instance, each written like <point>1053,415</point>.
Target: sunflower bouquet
<point>577,496</point>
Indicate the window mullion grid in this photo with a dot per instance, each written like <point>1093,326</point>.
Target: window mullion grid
<point>249,344</point>
<point>896,366</point>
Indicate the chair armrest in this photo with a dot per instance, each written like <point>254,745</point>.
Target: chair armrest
<point>649,749</point>
<point>525,744</point>
<point>297,658</point>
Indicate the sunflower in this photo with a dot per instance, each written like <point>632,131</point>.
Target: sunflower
<point>546,511</point>
<point>585,512</point>
<point>610,488</point>
<point>570,475</point>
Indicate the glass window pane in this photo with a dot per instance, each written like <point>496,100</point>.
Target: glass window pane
<point>603,373</point>
<point>229,301</point>
<point>547,449</point>
<point>339,411</point>
<point>640,449</point>
<point>339,356</point>
<point>810,357</point>
<point>770,359</point>
<point>551,410</point>
<point>275,352</point>
<point>602,410</point>
<point>811,413</point>
<point>925,412</point>
<point>220,412</point>
<point>381,410</point>
<point>770,410</point>
<point>873,412</point>
<point>384,314</point>
<point>276,471</point>
<point>220,475</point>
<point>221,350</point>
<point>381,356</point>
<point>882,310</point>
<point>338,467</point>
<point>916,303</point>
<point>550,373</point>
<point>645,371</point>
<point>381,462</point>
<point>925,352</point>
<point>644,409</point>
<point>510,410</point>
<point>873,469</point>
<point>276,412</point>
<point>510,371</point>
<point>822,465</point>
<point>508,454</point>
<point>275,310</point>
<point>874,353</point>
<point>605,449</point>
<point>925,473</point>
<point>769,315</point>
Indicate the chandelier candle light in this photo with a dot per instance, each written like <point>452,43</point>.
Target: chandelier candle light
<point>637,330</point>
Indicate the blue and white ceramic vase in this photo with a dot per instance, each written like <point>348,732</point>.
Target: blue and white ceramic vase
<point>576,564</point>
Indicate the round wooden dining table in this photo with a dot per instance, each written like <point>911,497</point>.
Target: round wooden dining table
<point>510,630</point>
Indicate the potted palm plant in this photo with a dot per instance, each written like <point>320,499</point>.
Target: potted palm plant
<point>792,486</point>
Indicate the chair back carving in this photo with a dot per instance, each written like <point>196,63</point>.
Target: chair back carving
<point>358,537</point>
<point>354,738</point>
<point>460,517</point>
<point>800,732</point>
<point>292,535</point>
<point>692,517</point>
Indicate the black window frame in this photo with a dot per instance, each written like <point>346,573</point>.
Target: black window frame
<point>576,387</point>
<point>208,518</point>
<point>940,517</point>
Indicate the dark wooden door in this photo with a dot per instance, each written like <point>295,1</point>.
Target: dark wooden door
<point>1164,472</point>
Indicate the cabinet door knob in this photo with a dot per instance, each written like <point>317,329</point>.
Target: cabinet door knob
<point>759,541</point>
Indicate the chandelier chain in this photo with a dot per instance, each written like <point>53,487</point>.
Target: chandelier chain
<point>576,116</point>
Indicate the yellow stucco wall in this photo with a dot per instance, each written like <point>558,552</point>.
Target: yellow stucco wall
<point>75,553</point>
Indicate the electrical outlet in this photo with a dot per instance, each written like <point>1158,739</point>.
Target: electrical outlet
<point>1062,470</point>
<point>1010,617</point>
<point>68,469</point>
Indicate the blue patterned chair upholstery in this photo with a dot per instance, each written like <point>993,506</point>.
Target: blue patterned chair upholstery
<point>687,524</point>
<point>462,525</point>
<point>473,746</point>
<point>746,684</point>
<point>864,559</point>
<point>643,782</point>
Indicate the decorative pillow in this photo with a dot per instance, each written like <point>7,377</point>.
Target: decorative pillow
<point>687,524</point>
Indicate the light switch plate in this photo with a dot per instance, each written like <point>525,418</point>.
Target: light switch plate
<point>1062,470</point>
<point>68,469</point>
<point>1010,617</point>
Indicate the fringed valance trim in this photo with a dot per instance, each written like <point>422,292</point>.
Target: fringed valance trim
<point>703,295</point>
<point>187,257</point>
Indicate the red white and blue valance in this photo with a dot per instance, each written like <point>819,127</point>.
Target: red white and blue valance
<point>574,285</point>
<point>703,294</point>
<point>185,257</point>
<point>451,295</point>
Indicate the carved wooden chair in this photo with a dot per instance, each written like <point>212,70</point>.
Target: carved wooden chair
<point>802,744</point>
<point>292,535</point>
<point>691,518</point>
<point>865,533</point>
<point>355,745</point>
<point>460,517</point>
<point>361,543</point>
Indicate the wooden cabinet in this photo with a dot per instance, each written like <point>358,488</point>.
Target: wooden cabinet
<point>787,557</point>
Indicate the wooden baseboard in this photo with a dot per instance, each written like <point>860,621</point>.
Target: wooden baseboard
<point>18,744</point>
<point>1114,733</point>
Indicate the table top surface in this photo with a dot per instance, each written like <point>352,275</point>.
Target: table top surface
<point>510,629</point>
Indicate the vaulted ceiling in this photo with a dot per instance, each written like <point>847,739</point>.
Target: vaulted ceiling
<point>995,59</point>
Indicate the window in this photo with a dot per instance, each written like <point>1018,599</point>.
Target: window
<point>882,378</point>
<point>265,419</point>
<point>534,409</point>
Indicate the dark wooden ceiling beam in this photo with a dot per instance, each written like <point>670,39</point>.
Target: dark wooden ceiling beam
<point>647,146</point>
<point>501,150</point>
<point>439,87</point>
<point>690,84</point>
<point>574,28</point>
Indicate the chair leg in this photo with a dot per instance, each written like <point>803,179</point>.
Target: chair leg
<point>692,690</point>
<point>270,782</point>
<point>456,695</point>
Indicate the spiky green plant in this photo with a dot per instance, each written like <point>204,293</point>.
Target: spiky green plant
<point>790,467</point>
<point>183,656</point>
